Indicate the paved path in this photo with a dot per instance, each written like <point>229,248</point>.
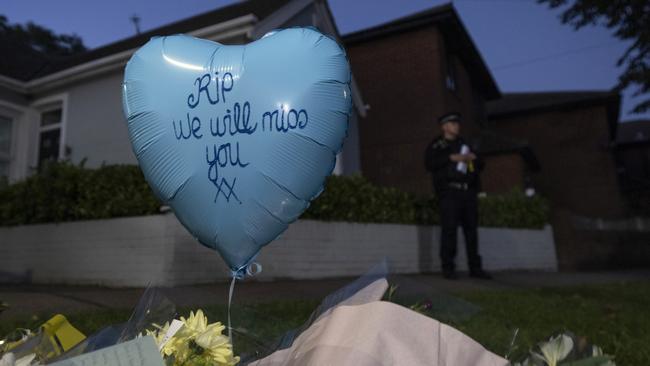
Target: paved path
<point>30,299</point>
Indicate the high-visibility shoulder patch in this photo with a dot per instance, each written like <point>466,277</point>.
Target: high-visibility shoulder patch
<point>440,144</point>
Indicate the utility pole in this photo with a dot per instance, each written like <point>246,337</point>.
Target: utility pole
<point>136,22</point>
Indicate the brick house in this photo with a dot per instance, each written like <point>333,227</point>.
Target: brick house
<point>557,142</point>
<point>411,71</point>
<point>416,68</point>
<point>410,54</point>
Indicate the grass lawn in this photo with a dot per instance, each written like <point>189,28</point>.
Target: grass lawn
<point>615,317</point>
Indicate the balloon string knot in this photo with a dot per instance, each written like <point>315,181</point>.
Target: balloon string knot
<point>250,270</point>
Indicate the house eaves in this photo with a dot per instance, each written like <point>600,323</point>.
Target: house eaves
<point>238,26</point>
<point>115,56</point>
<point>13,84</point>
<point>279,17</point>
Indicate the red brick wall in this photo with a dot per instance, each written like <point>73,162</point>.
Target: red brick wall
<point>578,172</point>
<point>402,79</point>
<point>502,173</point>
<point>465,99</point>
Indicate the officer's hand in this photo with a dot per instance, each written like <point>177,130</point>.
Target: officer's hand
<point>462,157</point>
<point>456,157</point>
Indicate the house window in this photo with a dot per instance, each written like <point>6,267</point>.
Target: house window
<point>450,78</point>
<point>49,145</point>
<point>5,148</point>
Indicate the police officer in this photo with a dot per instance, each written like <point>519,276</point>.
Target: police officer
<point>455,168</point>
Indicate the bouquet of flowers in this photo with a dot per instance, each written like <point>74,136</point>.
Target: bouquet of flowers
<point>193,341</point>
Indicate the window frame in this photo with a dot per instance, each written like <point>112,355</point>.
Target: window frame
<point>451,72</point>
<point>15,114</point>
<point>9,157</point>
<point>43,105</point>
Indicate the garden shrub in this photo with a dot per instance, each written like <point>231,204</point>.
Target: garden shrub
<point>66,192</point>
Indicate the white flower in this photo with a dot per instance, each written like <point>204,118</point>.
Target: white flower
<point>596,351</point>
<point>555,350</point>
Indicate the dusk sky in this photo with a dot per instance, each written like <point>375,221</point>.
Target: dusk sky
<point>524,44</point>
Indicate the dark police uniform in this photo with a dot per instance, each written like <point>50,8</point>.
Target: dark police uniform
<point>458,201</point>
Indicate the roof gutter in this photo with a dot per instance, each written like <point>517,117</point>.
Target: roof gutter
<point>233,27</point>
<point>13,84</point>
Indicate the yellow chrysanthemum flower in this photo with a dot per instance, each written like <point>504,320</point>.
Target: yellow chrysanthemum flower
<point>216,345</point>
<point>158,335</point>
<point>196,323</point>
<point>199,340</point>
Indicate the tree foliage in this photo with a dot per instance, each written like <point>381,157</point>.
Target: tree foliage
<point>630,21</point>
<point>41,39</point>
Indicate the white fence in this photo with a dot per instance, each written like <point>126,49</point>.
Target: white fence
<point>136,251</point>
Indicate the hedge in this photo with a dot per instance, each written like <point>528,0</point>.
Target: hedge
<point>65,192</point>
<point>356,199</point>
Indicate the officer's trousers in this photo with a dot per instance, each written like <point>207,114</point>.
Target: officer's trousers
<point>458,207</point>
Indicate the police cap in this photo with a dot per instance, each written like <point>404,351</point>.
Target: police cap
<point>449,117</point>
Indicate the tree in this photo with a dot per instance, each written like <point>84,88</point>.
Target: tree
<point>630,20</point>
<point>41,38</point>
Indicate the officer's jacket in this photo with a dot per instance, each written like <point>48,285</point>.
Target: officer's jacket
<point>444,171</point>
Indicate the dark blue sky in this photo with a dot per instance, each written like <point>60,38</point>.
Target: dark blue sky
<point>524,44</point>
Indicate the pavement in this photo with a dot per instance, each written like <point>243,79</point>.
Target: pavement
<point>32,299</point>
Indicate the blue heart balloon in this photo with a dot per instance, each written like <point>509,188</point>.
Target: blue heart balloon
<point>238,140</point>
